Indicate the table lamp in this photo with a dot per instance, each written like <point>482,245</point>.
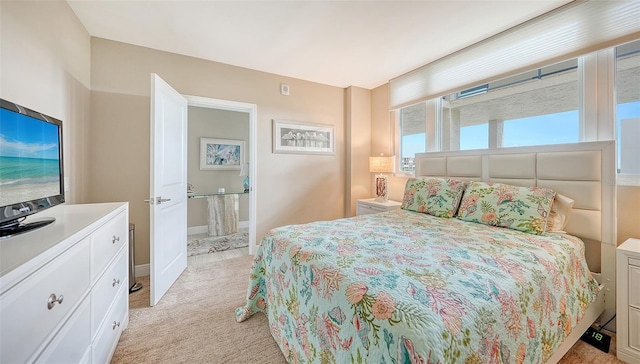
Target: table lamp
<point>381,165</point>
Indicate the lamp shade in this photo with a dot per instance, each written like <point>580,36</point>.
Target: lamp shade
<point>382,164</point>
<point>244,170</point>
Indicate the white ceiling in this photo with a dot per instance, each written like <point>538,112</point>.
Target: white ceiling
<point>338,43</point>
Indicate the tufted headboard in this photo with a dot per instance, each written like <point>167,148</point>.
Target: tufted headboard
<point>585,172</point>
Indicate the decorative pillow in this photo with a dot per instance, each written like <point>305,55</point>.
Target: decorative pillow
<point>559,213</point>
<point>519,208</point>
<point>434,196</point>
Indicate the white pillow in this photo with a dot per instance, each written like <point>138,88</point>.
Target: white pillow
<point>559,213</point>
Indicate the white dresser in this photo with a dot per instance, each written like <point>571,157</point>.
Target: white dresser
<point>628,301</point>
<point>64,294</point>
<point>371,206</point>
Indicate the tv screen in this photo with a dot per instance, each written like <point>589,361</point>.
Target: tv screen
<point>31,166</point>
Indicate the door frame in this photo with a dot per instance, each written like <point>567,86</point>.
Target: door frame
<point>252,110</point>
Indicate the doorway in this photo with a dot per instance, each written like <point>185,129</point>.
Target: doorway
<point>168,180</point>
<point>226,122</point>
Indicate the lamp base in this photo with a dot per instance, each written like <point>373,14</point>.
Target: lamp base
<point>381,188</point>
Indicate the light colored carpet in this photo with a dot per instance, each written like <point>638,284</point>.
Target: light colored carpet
<point>195,323</point>
<point>205,244</point>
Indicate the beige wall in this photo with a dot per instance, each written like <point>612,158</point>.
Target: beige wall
<point>45,66</point>
<point>218,124</point>
<point>382,138</point>
<point>290,188</point>
<point>628,213</point>
<point>358,146</point>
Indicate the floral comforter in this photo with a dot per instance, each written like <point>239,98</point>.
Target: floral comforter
<point>406,287</point>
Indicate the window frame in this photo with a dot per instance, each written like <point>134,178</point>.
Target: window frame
<point>622,179</point>
<point>433,132</point>
<point>596,108</point>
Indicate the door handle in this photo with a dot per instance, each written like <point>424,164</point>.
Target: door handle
<point>157,201</point>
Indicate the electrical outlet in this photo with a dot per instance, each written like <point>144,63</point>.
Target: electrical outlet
<point>284,89</point>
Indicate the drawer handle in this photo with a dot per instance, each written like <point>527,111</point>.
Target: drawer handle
<point>113,241</point>
<point>53,300</point>
<point>116,324</point>
<point>115,281</point>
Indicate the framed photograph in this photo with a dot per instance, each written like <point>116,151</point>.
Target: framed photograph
<point>302,138</point>
<point>221,154</point>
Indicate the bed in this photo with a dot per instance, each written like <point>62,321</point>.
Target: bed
<point>410,287</point>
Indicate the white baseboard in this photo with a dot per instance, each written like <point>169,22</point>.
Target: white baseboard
<point>197,230</point>
<point>142,270</point>
<point>204,229</point>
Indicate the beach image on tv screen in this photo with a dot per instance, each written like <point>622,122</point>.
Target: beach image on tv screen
<point>29,158</point>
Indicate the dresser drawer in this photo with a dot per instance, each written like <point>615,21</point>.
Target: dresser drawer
<point>106,242</point>
<point>634,286</point>
<point>27,321</point>
<point>108,286</point>
<point>634,329</point>
<point>109,333</point>
<point>73,343</point>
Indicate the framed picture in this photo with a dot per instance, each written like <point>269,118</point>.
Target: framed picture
<point>221,154</point>
<point>303,138</point>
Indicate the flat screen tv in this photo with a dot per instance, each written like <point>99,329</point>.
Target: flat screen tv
<point>31,168</point>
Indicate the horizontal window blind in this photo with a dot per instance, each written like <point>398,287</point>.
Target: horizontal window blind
<point>570,31</point>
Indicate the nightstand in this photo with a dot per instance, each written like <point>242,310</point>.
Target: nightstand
<point>628,300</point>
<point>371,206</point>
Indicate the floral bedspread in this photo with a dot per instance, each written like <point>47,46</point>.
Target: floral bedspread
<point>407,287</point>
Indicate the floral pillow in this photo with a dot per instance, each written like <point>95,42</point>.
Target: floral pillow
<point>519,208</point>
<point>434,196</point>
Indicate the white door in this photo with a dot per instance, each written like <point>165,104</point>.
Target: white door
<point>168,204</point>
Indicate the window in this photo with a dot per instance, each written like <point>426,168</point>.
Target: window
<point>557,128</point>
<point>531,108</point>
<point>474,137</point>
<point>628,107</point>
<point>413,131</point>
<point>566,102</point>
